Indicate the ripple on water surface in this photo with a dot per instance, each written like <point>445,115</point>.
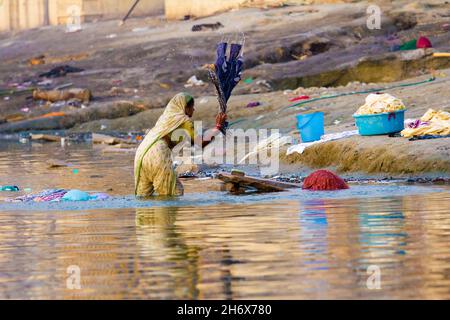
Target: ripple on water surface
<point>293,244</point>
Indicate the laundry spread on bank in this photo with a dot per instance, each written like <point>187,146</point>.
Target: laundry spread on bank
<point>56,195</point>
<point>431,123</point>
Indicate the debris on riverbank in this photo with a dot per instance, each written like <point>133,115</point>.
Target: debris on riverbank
<point>320,58</point>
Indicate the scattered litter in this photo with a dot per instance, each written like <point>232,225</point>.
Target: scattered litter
<point>63,86</point>
<point>193,81</point>
<point>45,83</point>
<point>111,36</point>
<point>248,80</point>
<point>98,138</point>
<point>204,178</point>
<point>421,43</point>
<point>300,148</point>
<point>53,163</point>
<point>118,149</point>
<point>75,171</point>
<point>25,109</point>
<point>45,137</point>
<point>264,83</point>
<point>409,45</point>
<point>164,85</point>
<point>71,28</point>
<point>103,127</point>
<point>203,100</point>
<point>118,91</point>
<point>206,26</point>
<point>253,104</point>
<point>51,114</point>
<point>142,29</point>
<point>83,95</point>
<point>237,172</point>
<point>60,71</point>
<point>298,98</point>
<point>301,58</point>
<point>74,103</point>
<point>14,118</point>
<point>57,104</point>
<point>104,139</point>
<point>6,98</point>
<point>9,188</point>
<point>336,122</point>
<point>37,60</point>
<point>288,91</point>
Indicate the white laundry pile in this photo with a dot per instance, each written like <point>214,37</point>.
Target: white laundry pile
<point>380,103</point>
<point>299,148</point>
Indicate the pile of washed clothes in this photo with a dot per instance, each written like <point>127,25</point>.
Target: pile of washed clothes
<point>55,195</point>
<point>380,103</point>
<point>432,123</point>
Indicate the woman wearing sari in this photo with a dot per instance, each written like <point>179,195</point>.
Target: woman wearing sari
<point>153,166</point>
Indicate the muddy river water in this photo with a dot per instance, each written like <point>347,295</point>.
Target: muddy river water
<point>372,241</point>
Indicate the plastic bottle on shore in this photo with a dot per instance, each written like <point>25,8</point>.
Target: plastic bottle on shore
<point>9,188</point>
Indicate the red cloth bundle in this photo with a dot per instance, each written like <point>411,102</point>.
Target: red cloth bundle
<point>324,180</point>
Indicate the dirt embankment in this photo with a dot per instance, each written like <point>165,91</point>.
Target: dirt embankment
<point>285,48</point>
<point>315,50</point>
<point>377,155</point>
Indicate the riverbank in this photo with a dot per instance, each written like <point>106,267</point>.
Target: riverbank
<point>314,50</point>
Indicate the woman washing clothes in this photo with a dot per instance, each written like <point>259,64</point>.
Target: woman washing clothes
<point>153,167</point>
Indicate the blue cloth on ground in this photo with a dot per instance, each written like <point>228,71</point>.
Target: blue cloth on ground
<point>76,195</point>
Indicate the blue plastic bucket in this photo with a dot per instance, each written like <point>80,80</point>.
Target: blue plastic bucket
<point>310,126</point>
<point>382,123</point>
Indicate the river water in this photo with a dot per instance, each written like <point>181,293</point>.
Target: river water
<point>372,241</point>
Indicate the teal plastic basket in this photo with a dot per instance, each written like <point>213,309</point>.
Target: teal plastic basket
<point>381,123</point>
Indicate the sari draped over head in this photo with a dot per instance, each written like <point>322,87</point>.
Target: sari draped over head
<point>173,116</point>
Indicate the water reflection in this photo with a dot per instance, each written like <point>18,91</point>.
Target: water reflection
<point>289,248</point>
<point>159,240</point>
